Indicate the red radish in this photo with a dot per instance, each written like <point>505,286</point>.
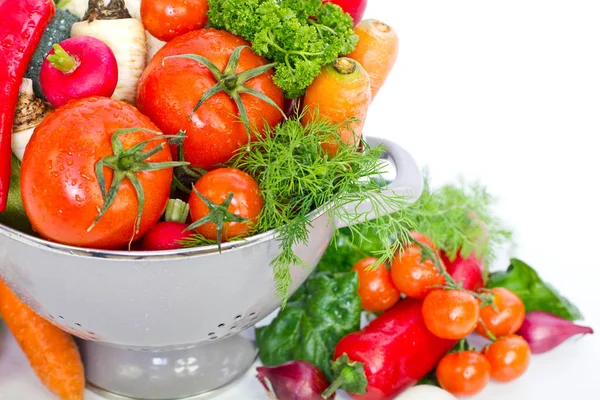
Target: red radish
<point>169,234</point>
<point>295,380</point>
<point>77,68</point>
<point>544,331</point>
<point>468,270</point>
<point>356,8</point>
<point>166,236</point>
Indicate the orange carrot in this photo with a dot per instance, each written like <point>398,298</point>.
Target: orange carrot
<point>52,353</point>
<point>376,51</point>
<point>342,91</point>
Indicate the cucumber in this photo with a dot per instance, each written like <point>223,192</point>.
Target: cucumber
<point>58,29</point>
<point>14,215</point>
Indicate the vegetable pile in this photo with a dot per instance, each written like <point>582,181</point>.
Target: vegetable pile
<point>426,310</point>
<point>135,127</point>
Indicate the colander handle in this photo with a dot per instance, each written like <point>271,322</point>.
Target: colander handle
<point>408,182</point>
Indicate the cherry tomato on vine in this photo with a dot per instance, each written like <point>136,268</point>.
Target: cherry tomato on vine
<point>507,319</point>
<point>413,276</point>
<point>167,19</point>
<point>464,374</point>
<point>375,287</point>
<point>509,357</point>
<point>230,204</point>
<point>451,314</point>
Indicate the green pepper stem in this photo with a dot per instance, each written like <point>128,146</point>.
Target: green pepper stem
<point>177,211</point>
<point>62,61</point>
<point>335,385</point>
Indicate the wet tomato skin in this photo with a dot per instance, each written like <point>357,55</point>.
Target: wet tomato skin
<point>216,185</point>
<point>60,191</point>
<point>168,94</point>
<point>375,287</point>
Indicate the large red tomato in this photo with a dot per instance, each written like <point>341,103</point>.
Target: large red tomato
<point>60,190</point>
<point>168,94</point>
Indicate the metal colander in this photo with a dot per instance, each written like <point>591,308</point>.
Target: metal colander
<point>165,325</point>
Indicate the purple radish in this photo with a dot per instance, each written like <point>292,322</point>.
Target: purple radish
<point>544,331</point>
<point>77,68</point>
<point>295,380</point>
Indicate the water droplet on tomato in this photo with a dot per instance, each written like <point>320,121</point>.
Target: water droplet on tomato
<point>78,198</point>
<point>69,162</point>
<point>55,174</point>
<point>116,106</point>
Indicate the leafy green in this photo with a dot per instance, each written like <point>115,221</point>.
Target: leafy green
<point>301,36</point>
<point>459,218</point>
<point>321,312</point>
<point>297,177</point>
<point>346,249</point>
<point>535,293</point>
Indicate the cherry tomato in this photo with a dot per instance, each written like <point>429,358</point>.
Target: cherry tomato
<point>450,314</point>
<point>169,93</point>
<point>167,19</point>
<point>216,186</point>
<point>464,374</point>
<point>375,288</point>
<point>509,357</point>
<point>509,317</point>
<point>59,185</point>
<point>413,277</point>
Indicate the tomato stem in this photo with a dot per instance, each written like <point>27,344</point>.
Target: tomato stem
<point>232,83</point>
<point>428,254</point>
<point>218,214</point>
<point>126,164</point>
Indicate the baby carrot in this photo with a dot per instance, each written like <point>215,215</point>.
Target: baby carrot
<point>52,353</point>
<point>376,51</point>
<point>342,91</point>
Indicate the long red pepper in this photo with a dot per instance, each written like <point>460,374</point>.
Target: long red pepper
<point>395,351</point>
<point>23,24</point>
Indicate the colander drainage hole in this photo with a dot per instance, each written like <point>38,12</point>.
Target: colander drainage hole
<point>78,324</point>
<point>221,325</point>
<point>61,317</point>
<point>252,314</point>
<point>238,317</point>
<point>234,327</point>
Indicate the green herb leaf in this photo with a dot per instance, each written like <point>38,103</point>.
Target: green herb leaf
<point>535,293</point>
<point>323,311</point>
<point>459,218</point>
<point>296,177</point>
<point>301,36</point>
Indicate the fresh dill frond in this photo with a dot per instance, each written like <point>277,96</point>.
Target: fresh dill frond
<point>459,219</point>
<point>297,177</point>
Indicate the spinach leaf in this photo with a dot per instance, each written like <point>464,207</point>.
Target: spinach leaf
<point>323,311</point>
<point>535,293</point>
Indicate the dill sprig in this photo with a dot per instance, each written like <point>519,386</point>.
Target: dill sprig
<point>459,218</point>
<point>297,177</point>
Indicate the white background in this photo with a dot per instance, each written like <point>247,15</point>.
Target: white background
<point>508,93</point>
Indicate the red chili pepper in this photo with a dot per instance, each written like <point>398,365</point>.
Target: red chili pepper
<point>392,353</point>
<point>20,33</point>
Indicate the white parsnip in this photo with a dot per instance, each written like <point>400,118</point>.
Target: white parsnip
<point>30,112</point>
<point>125,36</point>
<point>153,45</point>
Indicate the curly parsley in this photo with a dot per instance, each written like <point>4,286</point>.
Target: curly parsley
<point>301,36</point>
